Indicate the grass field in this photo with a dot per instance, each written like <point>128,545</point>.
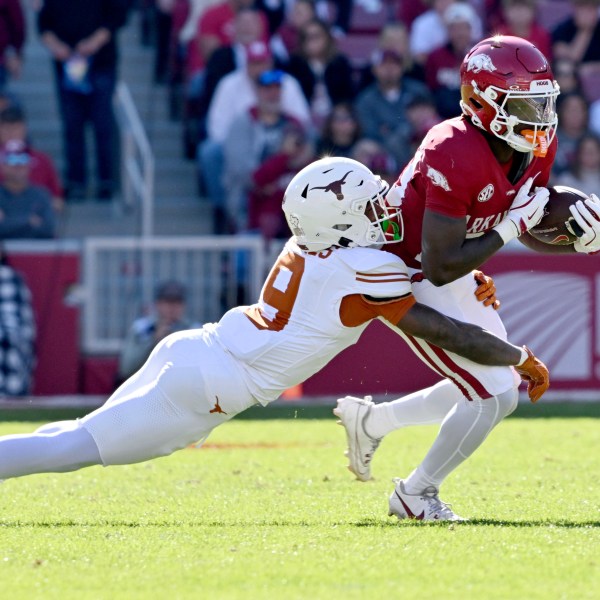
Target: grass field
<point>267,510</point>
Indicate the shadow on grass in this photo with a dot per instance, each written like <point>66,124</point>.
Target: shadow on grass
<point>299,411</point>
<point>379,523</point>
<point>559,524</point>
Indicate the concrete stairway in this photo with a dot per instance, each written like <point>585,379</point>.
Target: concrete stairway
<point>178,208</point>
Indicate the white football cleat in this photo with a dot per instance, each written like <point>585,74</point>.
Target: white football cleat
<point>425,506</point>
<point>361,446</point>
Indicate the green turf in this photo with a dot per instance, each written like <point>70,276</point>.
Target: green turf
<point>267,510</point>
<point>291,410</point>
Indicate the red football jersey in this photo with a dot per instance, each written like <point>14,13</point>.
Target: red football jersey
<point>455,173</point>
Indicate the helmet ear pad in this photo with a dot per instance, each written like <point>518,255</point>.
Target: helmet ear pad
<point>476,107</point>
<point>483,113</point>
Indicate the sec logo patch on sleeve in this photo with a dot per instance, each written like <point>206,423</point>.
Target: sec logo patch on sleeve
<point>486,193</point>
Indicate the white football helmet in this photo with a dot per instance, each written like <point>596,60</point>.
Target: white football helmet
<point>340,202</point>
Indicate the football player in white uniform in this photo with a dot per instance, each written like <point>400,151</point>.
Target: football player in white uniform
<point>324,289</point>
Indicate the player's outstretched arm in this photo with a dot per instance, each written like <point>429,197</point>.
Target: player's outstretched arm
<point>465,339</point>
<point>476,344</point>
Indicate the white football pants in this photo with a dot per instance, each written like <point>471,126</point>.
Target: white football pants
<point>457,300</point>
<point>185,389</point>
<point>469,403</point>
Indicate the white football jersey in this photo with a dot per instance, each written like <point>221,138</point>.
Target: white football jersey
<point>311,307</point>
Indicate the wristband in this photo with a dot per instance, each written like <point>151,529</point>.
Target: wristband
<point>507,230</point>
<point>524,357</point>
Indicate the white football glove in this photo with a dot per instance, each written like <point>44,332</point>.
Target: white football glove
<point>587,215</point>
<point>525,212</point>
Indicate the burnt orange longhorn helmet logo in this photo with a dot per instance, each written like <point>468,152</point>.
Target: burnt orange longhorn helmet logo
<point>334,186</point>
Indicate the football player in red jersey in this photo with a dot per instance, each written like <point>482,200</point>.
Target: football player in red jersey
<point>475,183</point>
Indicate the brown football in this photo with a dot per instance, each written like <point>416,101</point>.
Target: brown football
<point>558,225</point>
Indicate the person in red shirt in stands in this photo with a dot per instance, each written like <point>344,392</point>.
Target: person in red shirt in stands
<point>13,126</point>
<point>286,40</point>
<point>12,38</point>
<point>216,29</point>
<point>442,68</point>
<point>270,180</point>
<point>519,19</point>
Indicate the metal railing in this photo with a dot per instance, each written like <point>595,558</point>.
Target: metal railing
<point>120,276</point>
<point>137,160</point>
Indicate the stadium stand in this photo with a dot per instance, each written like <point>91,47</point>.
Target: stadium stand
<point>369,16</point>
<point>358,47</point>
<point>178,208</point>
<point>180,211</point>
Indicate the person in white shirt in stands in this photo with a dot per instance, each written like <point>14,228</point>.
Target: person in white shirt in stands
<point>236,92</point>
<point>329,282</point>
<point>234,95</point>
<point>429,31</point>
<point>254,136</point>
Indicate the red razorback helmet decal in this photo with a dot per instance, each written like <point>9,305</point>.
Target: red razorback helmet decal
<point>508,89</point>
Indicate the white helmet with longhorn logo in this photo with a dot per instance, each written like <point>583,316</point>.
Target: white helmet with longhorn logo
<point>340,202</point>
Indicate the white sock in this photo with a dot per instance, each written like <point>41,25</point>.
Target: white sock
<point>462,432</point>
<point>68,449</point>
<point>425,407</point>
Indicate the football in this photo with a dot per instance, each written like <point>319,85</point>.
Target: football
<point>558,225</point>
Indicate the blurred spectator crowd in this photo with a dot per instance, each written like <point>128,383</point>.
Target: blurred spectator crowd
<point>260,89</point>
<point>263,87</point>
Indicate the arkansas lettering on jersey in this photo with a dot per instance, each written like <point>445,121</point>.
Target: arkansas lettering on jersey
<point>455,173</point>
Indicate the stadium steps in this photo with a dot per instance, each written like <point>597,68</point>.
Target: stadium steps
<point>178,208</point>
<point>178,216</point>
